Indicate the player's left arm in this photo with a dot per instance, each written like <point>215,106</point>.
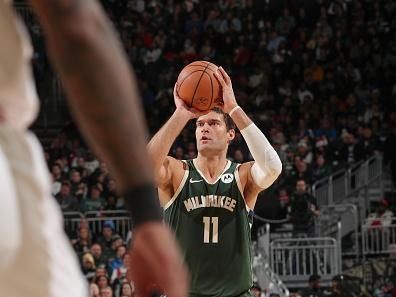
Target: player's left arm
<point>267,165</point>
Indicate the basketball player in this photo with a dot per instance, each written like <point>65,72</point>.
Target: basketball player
<point>207,200</point>
<point>36,259</point>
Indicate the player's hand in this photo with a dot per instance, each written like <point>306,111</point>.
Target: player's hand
<point>156,262</point>
<point>190,112</point>
<point>228,96</point>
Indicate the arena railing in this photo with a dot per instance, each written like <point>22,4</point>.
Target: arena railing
<point>295,259</point>
<point>71,221</point>
<point>376,239</point>
<point>266,278</point>
<point>348,217</point>
<point>345,184</point>
<point>96,219</point>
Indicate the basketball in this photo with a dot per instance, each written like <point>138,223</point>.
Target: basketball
<point>198,87</point>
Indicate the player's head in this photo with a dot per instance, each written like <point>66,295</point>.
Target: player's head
<point>214,131</point>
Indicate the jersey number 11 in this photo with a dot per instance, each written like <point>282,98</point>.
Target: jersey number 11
<point>215,229</point>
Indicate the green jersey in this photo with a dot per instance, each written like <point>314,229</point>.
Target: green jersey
<point>211,222</point>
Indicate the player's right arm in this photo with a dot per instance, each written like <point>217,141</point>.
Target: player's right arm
<point>159,146</point>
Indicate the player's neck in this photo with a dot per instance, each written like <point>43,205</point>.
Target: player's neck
<point>212,166</point>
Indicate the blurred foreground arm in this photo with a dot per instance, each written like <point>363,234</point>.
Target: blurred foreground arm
<point>103,97</point>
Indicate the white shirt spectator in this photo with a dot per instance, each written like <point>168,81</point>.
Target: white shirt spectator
<point>382,217</point>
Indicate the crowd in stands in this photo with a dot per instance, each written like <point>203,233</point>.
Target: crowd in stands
<point>316,76</point>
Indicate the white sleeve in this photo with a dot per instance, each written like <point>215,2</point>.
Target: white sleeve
<point>18,97</point>
<point>10,221</point>
<point>267,166</point>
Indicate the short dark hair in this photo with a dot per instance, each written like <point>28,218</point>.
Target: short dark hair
<point>227,119</point>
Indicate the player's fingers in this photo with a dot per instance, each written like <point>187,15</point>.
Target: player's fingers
<point>220,78</point>
<point>175,91</point>
<point>227,78</point>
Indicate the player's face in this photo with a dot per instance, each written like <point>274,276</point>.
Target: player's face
<point>211,133</point>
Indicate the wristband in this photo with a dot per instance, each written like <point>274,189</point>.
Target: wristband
<point>233,110</point>
<point>143,204</point>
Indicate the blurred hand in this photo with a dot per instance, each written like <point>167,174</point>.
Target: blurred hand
<point>229,101</point>
<point>156,262</point>
<point>190,112</point>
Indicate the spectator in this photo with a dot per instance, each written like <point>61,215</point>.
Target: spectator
<point>284,201</point>
<point>120,272</point>
<point>106,292</point>
<point>75,177</point>
<point>302,211</point>
<point>88,266</point>
<point>118,260</point>
<point>368,143</point>
<point>382,217</point>
<point>350,152</point>
<point>56,174</point>
<point>83,242</point>
<point>94,202</point>
<point>111,254</point>
<point>300,171</point>
<point>127,289</point>
<point>81,192</point>
<point>96,251</point>
<point>321,167</point>
<point>102,282</point>
<point>111,203</point>
<point>314,289</point>
<point>384,291</point>
<point>107,233</point>
<point>101,271</point>
<point>93,290</point>
<point>304,154</point>
<point>65,199</point>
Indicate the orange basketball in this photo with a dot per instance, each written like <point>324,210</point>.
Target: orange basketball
<point>198,87</point>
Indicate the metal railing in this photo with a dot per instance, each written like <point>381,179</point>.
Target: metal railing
<point>343,216</point>
<point>345,183</point>
<point>376,239</point>
<point>295,259</point>
<point>95,220</point>
<point>71,221</point>
<point>266,278</point>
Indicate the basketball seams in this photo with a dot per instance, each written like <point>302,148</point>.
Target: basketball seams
<point>211,84</point>
<point>187,76</point>
<point>197,85</point>
<point>209,65</point>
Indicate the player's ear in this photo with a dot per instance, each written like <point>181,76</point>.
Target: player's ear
<point>230,135</point>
